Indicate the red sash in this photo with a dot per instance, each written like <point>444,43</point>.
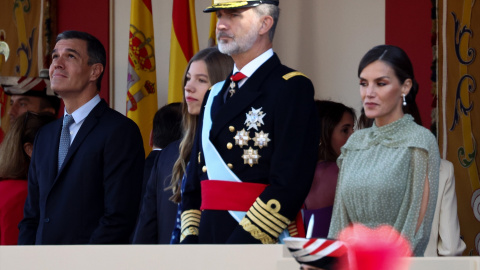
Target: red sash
<point>229,195</point>
<point>237,196</point>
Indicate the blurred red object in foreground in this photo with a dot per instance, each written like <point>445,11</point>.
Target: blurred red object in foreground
<point>375,249</point>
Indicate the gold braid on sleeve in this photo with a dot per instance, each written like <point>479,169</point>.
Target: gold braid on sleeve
<point>190,221</point>
<point>264,222</point>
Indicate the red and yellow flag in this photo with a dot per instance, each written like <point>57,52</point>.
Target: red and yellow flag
<point>141,80</point>
<point>183,45</point>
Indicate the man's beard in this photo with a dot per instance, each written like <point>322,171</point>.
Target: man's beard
<point>237,45</point>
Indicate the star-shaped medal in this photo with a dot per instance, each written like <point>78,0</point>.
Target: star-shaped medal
<point>250,156</point>
<point>261,139</point>
<point>254,118</point>
<point>242,138</point>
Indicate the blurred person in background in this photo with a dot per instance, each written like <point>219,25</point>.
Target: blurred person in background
<point>15,153</point>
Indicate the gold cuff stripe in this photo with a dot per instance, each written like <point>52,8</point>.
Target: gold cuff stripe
<point>292,229</point>
<point>256,232</point>
<point>273,212</point>
<point>265,215</point>
<point>253,213</point>
<point>191,218</point>
<point>293,232</point>
<point>190,231</point>
<point>292,74</point>
<point>191,212</point>
<point>190,224</point>
<point>262,225</point>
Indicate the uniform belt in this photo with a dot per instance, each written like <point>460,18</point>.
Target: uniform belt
<point>229,195</point>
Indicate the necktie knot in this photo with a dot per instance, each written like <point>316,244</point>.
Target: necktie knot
<point>67,120</point>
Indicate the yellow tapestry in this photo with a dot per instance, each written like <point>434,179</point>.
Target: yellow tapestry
<point>458,108</point>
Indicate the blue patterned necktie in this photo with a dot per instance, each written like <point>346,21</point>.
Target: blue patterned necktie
<point>64,139</point>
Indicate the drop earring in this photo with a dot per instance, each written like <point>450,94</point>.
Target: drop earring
<point>404,101</point>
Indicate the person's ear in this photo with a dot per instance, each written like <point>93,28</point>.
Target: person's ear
<point>406,86</point>
<point>28,148</point>
<point>96,71</point>
<point>267,23</point>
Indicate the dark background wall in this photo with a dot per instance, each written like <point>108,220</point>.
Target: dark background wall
<point>408,24</point>
<point>90,16</point>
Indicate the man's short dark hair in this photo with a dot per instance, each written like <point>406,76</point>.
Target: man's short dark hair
<point>95,49</point>
<point>167,125</point>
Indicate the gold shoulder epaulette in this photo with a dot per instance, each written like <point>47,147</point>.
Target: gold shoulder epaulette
<point>292,74</point>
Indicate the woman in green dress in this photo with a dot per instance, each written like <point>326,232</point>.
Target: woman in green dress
<point>389,172</point>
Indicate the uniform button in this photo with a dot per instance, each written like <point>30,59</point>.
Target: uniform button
<point>204,169</point>
<point>230,165</point>
<point>46,220</point>
<point>231,128</point>
<point>229,146</point>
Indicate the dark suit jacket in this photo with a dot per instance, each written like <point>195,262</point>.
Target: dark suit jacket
<point>95,196</point>
<point>286,164</point>
<point>157,217</point>
<point>149,164</point>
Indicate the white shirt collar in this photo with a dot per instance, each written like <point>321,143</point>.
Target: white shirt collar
<point>253,65</point>
<point>82,112</point>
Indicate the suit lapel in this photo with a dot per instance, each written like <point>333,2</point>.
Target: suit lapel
<point>52,166</point>
<point>90,122</point>
<point>218,99</point>
<point>250,91</point>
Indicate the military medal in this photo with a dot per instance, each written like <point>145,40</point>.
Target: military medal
<point>250,156</point>
<point>261,139</point>
<point>232,88</point>
<point>254,118</point>
<point>242,138</point>
<point>235,78</point>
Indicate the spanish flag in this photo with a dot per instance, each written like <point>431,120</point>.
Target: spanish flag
<point>141,80</point>
<point>183,45</point>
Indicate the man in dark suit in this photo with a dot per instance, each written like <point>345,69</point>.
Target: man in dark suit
<point>86,170</point>
<point>165,139</point>
<point>156,220</point>
<point>255,152</point>
<point>166,128</point>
